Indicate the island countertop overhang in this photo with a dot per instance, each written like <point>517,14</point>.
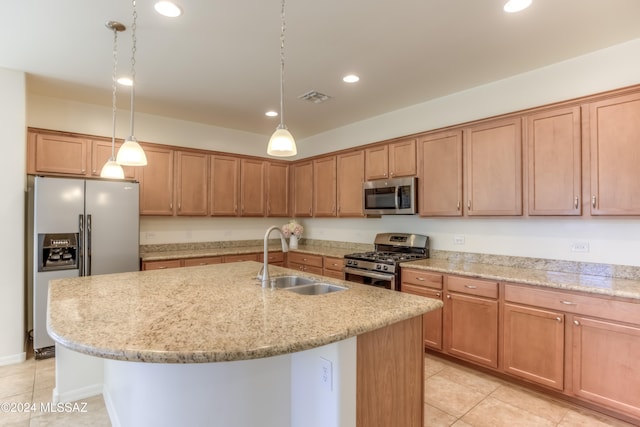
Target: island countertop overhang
<point>213,313</point>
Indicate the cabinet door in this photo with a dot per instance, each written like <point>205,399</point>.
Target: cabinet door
<point>350,169</point>
<point>58,154</point>
<point>324,186</point>
<point>554,141</point>
<point>302,185</point>
<point>494,168</point>
<point>192,177</point>
<point>277,189</point>
<point>402,158</point>
<point>440,174</point>
<point>432,329</point>
<point>605,364</point>
<point>377,162</point>
<point>615,156</point>
<point>471,328</point>
<point>224,185</point>
<point>101,153</point>
<point>252,187</point>
<point>156,182</point>
<point>534,345</point>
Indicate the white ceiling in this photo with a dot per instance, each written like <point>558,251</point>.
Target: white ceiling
<point>219,63</point>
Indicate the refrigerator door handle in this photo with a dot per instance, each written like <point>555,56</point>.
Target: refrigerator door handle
<point>81,245</point>
<point>88,245</point>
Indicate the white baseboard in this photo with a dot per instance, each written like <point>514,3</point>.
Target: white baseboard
<point>14,358</point>
<point>77,394</point>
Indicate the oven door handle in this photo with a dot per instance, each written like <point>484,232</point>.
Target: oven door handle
<point>371,274</point>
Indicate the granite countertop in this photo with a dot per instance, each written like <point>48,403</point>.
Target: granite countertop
<point>602,285</point>
<point>338,252</point>
<point>212,313</point>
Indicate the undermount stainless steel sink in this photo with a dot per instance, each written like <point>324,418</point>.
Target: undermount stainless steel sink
<point>316,288</point>
<point>304,285</point>
<point>290,281</point>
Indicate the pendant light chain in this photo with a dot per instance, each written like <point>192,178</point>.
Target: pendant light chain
<point>282,30</point>
<point>114,88</point>
<point>133,62</point>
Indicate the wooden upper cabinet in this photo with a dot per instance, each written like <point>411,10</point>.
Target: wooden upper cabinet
<point>615,156</point>
<point>192,176</point>
<point>58,154</point>
<point>555,162</point>
<point>324,186</point>
<point>252,187</point>
<point>156,182</point>
<point>494,168</point>
<point>391,160</point>
<point>440,174</point>
<point>224,185</point>
<point>277,189</point>
<point>101,153</point>
<point>302,189</point>
<point>350,175</point>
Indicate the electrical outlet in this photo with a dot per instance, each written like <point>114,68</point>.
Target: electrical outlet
<point>326,374</point>
<point>458,239</point>
<point>150,236</point>
<point>580,247</point>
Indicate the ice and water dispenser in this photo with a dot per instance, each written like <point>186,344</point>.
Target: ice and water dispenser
<point>58,251</point>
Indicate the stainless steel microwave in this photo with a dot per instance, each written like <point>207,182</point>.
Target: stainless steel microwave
<point>396,196</point>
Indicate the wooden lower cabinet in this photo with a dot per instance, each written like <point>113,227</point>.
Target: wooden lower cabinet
<point>191,262</point>
<point>274,258</point>
<point>428,285</point>
<point>533,346</point>
<point>605,364</point>
<point>161,265</point>
<point>471,320</point>
<point>333,267</point>
<point>242,257</point>
<point>305,262</point>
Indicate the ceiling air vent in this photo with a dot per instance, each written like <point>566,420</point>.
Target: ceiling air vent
<point>315,97</point>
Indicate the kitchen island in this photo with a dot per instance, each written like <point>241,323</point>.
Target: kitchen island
<point>204,344</point>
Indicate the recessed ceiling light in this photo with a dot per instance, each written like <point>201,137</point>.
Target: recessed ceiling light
<point>271,114</point>
<point>513,6</point>
<point>125,81</point>
<point>351,78</point>
<point>167,8</point>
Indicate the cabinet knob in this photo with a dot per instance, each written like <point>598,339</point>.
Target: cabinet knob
<point>438,294</point>
<point>469,204</point>
<point>559,319</point>
<point>575,322</point>
<point>593,202</point>
<point>448,296</point>
<point>458,207</point>
<point>576,202</point>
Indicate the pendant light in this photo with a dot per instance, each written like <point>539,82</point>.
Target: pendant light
<point>111,169</point>
<point>131,153</point>
<point>282,143</point>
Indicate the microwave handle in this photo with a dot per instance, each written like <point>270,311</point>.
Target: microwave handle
<point>397,197</point>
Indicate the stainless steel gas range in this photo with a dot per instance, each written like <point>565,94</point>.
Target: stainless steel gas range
<point>381,267</point>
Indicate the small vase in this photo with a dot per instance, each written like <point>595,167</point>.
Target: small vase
<point>293,242</point>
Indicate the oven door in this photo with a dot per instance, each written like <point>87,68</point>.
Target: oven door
<point>372,278</point>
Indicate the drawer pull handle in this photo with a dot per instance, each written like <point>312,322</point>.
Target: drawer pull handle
<point>567,302</point>
<point>575,202</point>
<point>448,296</point>
<point>420,279</point>
<point>559,319</point>
<point>470,286</point>
<point>593,202</point>
<point>438,294</point>
<point>458,207</point>
<point>162,267</point>
<point>575,322</point>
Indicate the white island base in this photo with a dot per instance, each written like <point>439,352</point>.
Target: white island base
<point>312,388</point>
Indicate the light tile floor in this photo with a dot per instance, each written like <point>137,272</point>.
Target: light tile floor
<point>454,396</point>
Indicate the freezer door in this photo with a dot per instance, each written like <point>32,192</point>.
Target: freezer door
<point>58,204</point>
<point>112,222</point>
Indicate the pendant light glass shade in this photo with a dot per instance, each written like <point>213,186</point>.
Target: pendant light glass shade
<point>111,169</point>
<point>131,153</point>
<point>282,144</point>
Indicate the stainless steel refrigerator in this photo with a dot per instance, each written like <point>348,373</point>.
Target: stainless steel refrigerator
<point>77,227</point>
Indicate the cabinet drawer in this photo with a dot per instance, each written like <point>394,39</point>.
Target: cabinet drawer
<point>241,257</point>
<point>335,264</point>
<point>571,303</point>
<point>306,268</point>
<point>272,257</point>
<point>484,288</point>
<point>300,258</point>
<point>161,265</point>
<point>421,278</point>
<point>190,262</point>
<point>334,274</point>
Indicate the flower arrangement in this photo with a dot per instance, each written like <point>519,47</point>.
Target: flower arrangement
<point>292,228</point>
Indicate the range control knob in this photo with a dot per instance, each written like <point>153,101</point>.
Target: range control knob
<point>386,267</point>
<point>378,267</point>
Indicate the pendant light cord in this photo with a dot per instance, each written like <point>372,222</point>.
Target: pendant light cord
<point>114,88</point>
<point>282,29</point>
